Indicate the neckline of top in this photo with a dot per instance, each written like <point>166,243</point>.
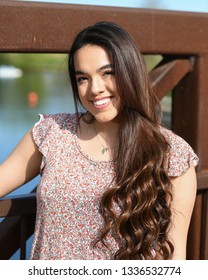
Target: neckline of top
<point>79,147</point>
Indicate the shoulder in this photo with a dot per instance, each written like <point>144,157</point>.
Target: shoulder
<point>61,120</point>
<point>50,126</point>
<point>55,122</point>
<point>180,155</point>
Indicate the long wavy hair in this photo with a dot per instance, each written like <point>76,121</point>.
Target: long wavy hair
<point>141,188</point>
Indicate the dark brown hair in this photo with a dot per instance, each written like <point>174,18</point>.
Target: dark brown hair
<point>141,188</point>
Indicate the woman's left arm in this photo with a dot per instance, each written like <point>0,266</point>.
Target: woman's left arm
<point>184,195</point>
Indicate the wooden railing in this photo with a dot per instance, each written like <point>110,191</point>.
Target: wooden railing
<point>18,226</point>
<point>182,40</point>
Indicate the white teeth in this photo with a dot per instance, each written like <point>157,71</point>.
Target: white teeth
<point>101,102</point>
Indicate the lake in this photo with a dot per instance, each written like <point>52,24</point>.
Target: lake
<point>19,112</point>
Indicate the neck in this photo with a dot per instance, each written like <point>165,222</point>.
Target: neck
<point>106,130</point>
<point>106,127</point>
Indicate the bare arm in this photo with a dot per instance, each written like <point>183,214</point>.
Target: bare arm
<point>184,194</point>
<point>22,165</point>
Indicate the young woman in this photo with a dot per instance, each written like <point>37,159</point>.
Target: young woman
<point>114,184</point>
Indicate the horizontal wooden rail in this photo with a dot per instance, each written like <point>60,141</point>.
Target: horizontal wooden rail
<point>18,205</point>
<point>47,27</point>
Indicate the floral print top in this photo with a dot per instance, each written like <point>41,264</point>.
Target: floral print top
<point>68,215</point>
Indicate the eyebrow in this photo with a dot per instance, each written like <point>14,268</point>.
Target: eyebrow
<point>107,66</point>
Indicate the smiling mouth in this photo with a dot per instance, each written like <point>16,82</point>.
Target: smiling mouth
<point>102,102</point>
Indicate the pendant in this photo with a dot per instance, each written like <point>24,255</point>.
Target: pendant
<point>104,150</point>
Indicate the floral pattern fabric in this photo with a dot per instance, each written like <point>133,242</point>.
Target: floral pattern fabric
<point>68,215</point>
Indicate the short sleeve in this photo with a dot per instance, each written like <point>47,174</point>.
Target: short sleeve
<point>40,132</point>
<point>180,156</point>
<point>41,135</point>
<point>49,132</point>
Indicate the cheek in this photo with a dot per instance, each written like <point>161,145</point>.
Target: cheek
<point>112,86</point>
<point>82,91</point>
<point>82,96</point>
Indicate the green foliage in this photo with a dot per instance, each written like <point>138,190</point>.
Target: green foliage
<point>34,62</point>
<point>152,60</point>
<point>37,62</point>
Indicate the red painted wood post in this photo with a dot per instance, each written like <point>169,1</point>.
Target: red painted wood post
<point>190,120</point>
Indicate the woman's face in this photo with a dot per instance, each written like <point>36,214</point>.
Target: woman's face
<point>96,82</point>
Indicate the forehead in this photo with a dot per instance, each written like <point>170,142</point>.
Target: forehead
<point>91,57</point>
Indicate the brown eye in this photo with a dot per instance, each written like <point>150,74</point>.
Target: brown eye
<point>81,80</point>
<point>108,73</point>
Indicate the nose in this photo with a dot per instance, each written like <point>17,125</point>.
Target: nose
<point>97,86</point>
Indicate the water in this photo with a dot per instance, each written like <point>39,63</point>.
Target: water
<point>19,112</point>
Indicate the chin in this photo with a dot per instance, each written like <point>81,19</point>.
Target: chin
<point>105,119</point>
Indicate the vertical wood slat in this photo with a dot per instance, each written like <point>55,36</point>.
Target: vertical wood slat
<point>204,227</point>
<point>189,112</point>
<point>194,234</point>
<point>23,237</point>
<point>9,237</point>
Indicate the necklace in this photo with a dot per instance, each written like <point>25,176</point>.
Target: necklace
<point>104,149</point>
